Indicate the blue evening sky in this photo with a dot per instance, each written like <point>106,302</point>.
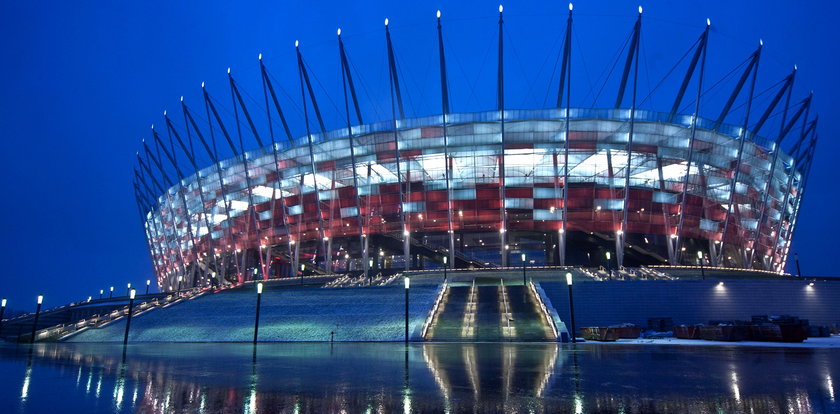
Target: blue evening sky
<point>82,81</point>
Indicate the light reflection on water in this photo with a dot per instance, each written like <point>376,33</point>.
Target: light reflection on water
<point>371,377</point>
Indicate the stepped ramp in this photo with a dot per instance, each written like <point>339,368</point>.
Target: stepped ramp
<point>287,314</point>
<point>489,312</point>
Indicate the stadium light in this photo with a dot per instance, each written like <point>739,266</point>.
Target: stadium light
<point>572,333</point>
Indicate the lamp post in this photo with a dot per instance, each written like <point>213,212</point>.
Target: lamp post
<point>180,278</point>
<point>407,284</point>
<point>128,290</point>
<point>131,294</point>
<point>111,293</point>
<point>148,282</point>
<point>700,259</point>
<point>523,269</point>
<point>302,267</point>
<point>445,266</point>
<point>796,260</point>
<point>101,291</point>
<point>2,311</point>
<point>609,265</point>
<point>37,315</point>
<point>370,275</point>
<point>571,306</point>
<point>257,316</point>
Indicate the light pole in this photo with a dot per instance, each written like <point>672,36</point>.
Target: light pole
<point>571,306</point>
<point>609,265</point>
<point>180,278</point>
<point>523,269</point>
<point>302,267</point>
<point>111,293</point>
<point>148,282</point>
<point>37,315</point>
<point>700,259</point>
<point>407,284</point>
<point>128,290</point>
<point>101,291</point>
<point>796,259</point>
<point>257,317</point>
<point>2,311</point>
<point>445,266</point>
<point>370,275</point>
<point>131,294</point>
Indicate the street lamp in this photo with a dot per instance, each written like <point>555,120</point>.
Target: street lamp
<point>131,294</point>
<point>571,306</point>
<point>445,266</point>
<point>111,293</point>
<point>523,269</point>
<point>700,259</point>
<point>128,291</point>
<point>2,311</point>
<point>609,265</point>
<point>148,282</point>
<point>37,315</point>
<point>302,267</point>
<point>257,317</point>
<point>101,291</point>
<point>407,284</point>
<point>180,278</point>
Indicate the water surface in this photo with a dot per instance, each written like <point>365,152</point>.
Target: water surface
<point>390,377</point>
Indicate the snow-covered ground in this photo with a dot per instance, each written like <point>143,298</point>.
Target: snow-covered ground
<point>304,314</point>
<point>829,342</point>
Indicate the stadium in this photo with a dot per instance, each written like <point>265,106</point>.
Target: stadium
<point>563,185</point>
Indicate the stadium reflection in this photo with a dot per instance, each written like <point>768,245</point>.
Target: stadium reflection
<point>368,377</point>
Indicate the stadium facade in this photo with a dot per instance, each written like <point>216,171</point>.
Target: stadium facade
<point>562,186</point>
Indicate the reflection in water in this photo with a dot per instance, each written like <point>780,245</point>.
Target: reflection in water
<point>505,377</point>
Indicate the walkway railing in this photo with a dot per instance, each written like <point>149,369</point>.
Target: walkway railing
<point>60,332</point>
<point>433,314</point>
<point>544,309</point>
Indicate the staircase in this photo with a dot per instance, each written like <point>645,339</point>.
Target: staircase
<point>489,312</point>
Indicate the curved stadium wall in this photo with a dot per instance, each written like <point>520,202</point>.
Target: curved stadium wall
<point>402,188</point>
